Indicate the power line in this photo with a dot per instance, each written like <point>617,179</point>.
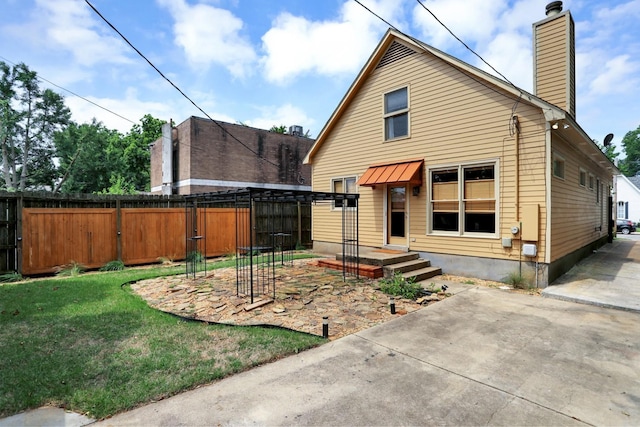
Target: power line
<point>73,93</point>
<point>176,87</point>
<point>479,81</point>
<point>464,44</point>
<point>377,16</point>
<point>422,43</point>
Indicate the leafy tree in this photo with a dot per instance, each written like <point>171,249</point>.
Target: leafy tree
<point>129,157</point>
<point>29,117</point>
<point>81,152</point>
<point>119,185</point>
<point>630,166</point>
<point>609,151</point>
<point>94,159</point>
<point>278,129</point>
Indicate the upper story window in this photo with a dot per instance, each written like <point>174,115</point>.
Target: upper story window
<point>591,178</point>
<point>396,114</point>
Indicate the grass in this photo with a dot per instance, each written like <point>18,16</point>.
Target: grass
<point>115,265</point>
<point>88,344</point>
<point>517,281</point>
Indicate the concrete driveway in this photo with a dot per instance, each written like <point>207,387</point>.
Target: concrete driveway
<point>482,357</point>
<point>608,278</point>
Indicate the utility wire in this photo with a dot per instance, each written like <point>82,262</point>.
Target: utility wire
<point>465,45</point>
<point>517,100</point>
<point>73,93</point>
<point>176,87</point>
<point>378,16</point>
<point>421,43</point>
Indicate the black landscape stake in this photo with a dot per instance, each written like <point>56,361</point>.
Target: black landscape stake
<point>325,327</point>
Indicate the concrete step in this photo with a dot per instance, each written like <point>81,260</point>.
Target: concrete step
<point>404,267</point>
<point>423,273</point>
<point>380,258</point>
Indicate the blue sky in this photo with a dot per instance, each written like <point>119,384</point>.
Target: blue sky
<point>288,62</point>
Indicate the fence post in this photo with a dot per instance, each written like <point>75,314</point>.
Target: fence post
<point>299,225</point>
<point>118,231</point>
<point>18,207</point>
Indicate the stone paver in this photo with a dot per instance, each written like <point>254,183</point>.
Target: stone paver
<point>304,294</point>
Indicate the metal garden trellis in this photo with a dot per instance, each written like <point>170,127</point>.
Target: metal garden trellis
<point>268,227</point>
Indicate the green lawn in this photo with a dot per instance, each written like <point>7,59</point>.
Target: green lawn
<point>88,344</point>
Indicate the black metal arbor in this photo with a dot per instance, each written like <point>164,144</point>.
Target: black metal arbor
<point>268,226</point>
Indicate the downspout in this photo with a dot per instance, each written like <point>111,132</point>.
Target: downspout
<point>516,127</point>
<point>548,167</point>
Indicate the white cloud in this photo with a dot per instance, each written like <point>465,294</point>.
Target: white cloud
<point>618,76</point>
<point>68,25</point>
<point>131,107</point>
<point>510,54</point>
<point>287,115</point>
<point>471,20</point>
<point>211,35</point>
<point>295,45</point>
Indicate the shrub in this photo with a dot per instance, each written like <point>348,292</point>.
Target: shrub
<point>195,256</point>
<point>399,286</point>
<point>72,269</point>
<point>517,281</point>
<point>115,265</point>
<point>10,277</point>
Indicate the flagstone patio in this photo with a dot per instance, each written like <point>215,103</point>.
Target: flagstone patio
<point>305,292</point>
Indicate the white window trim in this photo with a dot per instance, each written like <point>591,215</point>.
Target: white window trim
<point>591,181</point>
<point>564,168</point>
<point>396,113</point>
<point>461,233</point>
<point>343,178</point>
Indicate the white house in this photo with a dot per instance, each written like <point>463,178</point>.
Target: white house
<point>628,197</point>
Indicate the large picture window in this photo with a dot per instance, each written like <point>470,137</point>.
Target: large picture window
<point>463,199</point>
<point>344,185</point>
<point>396,114</point>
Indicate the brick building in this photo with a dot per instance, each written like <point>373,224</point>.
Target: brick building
<point>206,156</point>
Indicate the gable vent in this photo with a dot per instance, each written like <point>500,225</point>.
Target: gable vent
<point>395,52</point>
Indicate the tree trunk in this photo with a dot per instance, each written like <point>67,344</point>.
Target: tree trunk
<point>27,146</point>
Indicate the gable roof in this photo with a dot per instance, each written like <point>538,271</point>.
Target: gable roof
<point>635,180</point>
<point>551,112</point>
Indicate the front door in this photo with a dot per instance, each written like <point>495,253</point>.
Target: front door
<point>396,215</point>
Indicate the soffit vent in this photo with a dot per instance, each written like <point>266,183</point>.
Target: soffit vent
<point>395,52</point>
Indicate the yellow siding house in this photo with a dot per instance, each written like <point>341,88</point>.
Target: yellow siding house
<point>473,173</point>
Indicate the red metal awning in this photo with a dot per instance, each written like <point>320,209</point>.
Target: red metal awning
<point>409,172</point>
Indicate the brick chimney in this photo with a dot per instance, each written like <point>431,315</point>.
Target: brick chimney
<point>554,63</point>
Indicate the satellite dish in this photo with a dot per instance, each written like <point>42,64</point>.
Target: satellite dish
<point>607,139</point>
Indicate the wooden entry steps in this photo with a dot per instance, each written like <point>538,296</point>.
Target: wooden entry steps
<point>376,264</point>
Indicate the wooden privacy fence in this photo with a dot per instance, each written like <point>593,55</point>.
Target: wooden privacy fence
<point>92,237</point>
